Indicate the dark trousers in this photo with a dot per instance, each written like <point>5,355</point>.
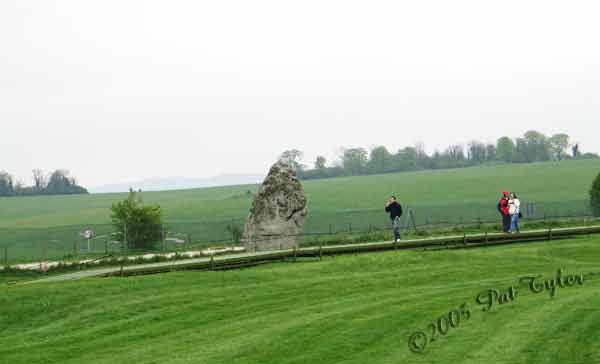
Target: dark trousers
<point>506,221</point>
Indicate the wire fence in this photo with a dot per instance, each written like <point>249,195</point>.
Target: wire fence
<point>19,245</point>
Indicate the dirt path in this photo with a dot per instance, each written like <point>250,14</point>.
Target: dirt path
<point>45,265</point>
<point>103,271</point>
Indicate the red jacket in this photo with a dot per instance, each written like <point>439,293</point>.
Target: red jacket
<point>504,209</point>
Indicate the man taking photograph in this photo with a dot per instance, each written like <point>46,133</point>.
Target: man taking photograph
<point>395,211</point>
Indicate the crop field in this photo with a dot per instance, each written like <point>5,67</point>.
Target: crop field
<point>345,309</point>
<point>48,226</point>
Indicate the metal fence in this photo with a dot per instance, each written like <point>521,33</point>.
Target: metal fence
<point>19,245</point>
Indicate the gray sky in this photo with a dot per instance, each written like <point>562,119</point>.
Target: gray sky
<point>121,90</point>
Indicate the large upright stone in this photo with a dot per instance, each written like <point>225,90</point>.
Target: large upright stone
<point>278,211</point>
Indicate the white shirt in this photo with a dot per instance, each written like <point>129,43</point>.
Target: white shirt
<point>514,206</point>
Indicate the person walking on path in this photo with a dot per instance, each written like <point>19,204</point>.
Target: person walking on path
<point>514,210</point>
<point>395,211</point>
<point>504,211</point>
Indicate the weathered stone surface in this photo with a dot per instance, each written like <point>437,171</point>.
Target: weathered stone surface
<point>278,211</point>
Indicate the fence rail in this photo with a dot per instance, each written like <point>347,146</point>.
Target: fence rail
<point>447,242</point>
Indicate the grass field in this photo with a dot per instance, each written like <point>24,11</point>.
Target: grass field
<point>349,309</point>
<point>446,195</point>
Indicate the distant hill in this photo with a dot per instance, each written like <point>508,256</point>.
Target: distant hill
<point>180,183</point>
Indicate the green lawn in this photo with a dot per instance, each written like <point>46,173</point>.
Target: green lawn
<point>347,309</point>
<point>26,224</point>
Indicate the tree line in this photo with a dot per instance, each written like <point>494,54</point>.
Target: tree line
<point>533,146</point>
<point>58,182</point>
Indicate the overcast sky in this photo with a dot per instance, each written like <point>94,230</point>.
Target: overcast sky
<point>117,91</point>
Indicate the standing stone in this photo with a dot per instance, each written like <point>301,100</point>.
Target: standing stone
<point>278,211</point>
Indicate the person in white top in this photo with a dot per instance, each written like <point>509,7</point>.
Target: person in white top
<point>514,209</point>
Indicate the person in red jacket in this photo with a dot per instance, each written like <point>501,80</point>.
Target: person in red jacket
<point>504,210</point>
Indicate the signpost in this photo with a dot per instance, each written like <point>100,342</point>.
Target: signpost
<point>88,234</point>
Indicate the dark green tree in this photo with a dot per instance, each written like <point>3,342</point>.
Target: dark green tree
<point>522,152</point>
<point>505,149</point>
<point>477,152</point>
<point>595,197</point>
<point>380,160</point>
<point>406,159</point>
<point>6,184</point>
<point>538,146</point>
<point>354,161</point>
<point>490,152</point>
<point>60,183</point>
<point>135,223</point>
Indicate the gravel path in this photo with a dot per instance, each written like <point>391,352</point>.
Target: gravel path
<point>102,271</point>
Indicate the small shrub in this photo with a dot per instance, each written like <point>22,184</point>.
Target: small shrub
<point>135,223</point>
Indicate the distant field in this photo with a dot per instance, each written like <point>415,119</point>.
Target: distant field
<point>348,309</point>
<point>343,203</point>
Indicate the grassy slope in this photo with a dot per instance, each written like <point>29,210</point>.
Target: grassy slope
<point>352,309</point>
<point>476,188</point>
<point>558,188</point>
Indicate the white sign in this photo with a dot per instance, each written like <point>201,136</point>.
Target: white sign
<point>88,234</point>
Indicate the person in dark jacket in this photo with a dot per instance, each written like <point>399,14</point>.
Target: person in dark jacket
<point>395,211</point>
<point>504,210</point>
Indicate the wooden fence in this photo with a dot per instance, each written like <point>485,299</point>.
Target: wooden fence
<point>445,242</point>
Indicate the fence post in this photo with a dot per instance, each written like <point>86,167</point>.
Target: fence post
<point>163,237</point>
<point>330,230</point>
<point>412,219</point>
<point>320,252</point>
<point>6,258</point>
<point>212,262</point>
<point>550,234</point>
<point>124,245</point>
<point>350,227</point>
<point>44,253</point>
<point>479,223</point>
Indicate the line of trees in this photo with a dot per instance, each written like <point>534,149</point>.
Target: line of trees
<point>58,182</point>
<point>533,146</point>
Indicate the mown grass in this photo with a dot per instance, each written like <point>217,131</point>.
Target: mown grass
<point>342,204</point>
<point>348,309</point>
